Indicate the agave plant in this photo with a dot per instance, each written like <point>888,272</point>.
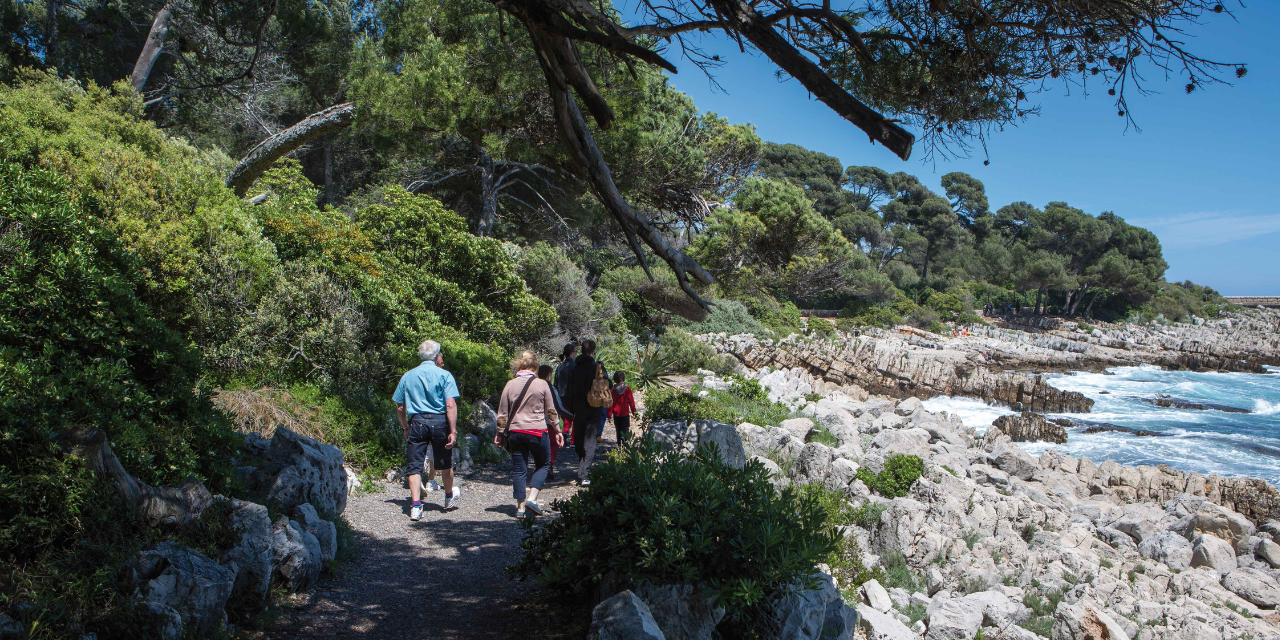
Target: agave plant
<point>654,371</point>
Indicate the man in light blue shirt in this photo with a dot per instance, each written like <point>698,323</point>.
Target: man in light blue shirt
<point>426,403</point>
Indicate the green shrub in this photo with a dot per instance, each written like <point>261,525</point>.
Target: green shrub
<point>727,316</point>
<point>895,480</point>
<point>897,573</point>
<point>1085,327</point>
<point>722,406</point>
<point>868,515</point>
<point>653,515</point>
<point>1029,532</point>
<point>834,503</point>
<point>822,435</point>
<point>686,353</point>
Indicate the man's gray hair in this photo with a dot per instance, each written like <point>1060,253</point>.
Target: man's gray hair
<point>428,350</point>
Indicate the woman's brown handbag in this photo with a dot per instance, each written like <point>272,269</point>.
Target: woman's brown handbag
<point>504,431</point>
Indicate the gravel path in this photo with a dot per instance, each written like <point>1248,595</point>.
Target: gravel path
<point>441,577</point>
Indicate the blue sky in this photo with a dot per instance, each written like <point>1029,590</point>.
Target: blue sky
<point>1201,174</point>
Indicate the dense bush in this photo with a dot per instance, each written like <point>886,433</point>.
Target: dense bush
<point>556,280</point>
<point>895,480</point>
<point>743,402</point>
<point>1178,301</point>
<point>686,353</point>
<point>727,316</point>
<point>656,516</point>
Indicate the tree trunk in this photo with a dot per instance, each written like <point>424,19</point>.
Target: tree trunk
<point>277,146</point>
<point>155,505</point>
<point>50,31</point>
<point>581,144</point>
<point>488,195</point>
<point>152,48</point>
<point>1078,299</point>
<point>328,171</point>
<point>1039,296</point>
<point>748,22</point>
<point>1088,311</point>
<point>928,251</point>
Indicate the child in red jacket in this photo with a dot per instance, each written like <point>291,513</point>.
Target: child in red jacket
<point>624,404</point>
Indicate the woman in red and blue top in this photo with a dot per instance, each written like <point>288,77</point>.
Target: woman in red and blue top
<point>624,404</point>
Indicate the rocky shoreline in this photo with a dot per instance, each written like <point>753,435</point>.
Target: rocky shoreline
<point>992,362</point>
<point>1000,544</point>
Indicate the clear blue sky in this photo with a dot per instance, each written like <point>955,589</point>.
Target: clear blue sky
<point>1201,174</point>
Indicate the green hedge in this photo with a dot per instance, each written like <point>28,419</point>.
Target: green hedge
<point>656,516</point>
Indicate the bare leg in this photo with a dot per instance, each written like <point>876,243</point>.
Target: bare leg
<point>533,494</point>
<point>415,487</point>
<point>447,476</point>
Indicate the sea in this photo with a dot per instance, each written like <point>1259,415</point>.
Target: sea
<point>1203,440</point>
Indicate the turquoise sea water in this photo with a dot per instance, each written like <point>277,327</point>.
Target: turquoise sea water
<point>1207,441</point>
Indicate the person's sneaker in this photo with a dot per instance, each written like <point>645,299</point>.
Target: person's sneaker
<point>533,506</point>
<point>415,513</point>
<point>585,483</point>
<point>432,485</point>
<point>453,499</point>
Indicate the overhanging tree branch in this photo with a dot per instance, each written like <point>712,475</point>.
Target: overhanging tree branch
<point>277,146</point>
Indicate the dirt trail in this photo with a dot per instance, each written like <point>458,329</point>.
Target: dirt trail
<point>441,577</point>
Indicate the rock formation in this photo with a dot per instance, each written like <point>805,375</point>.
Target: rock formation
<point>1030,427</point>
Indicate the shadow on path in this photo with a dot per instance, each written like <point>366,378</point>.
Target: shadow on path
<point>443,576</point>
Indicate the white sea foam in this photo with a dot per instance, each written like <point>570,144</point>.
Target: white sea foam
<point>973,412</point>
<point>1262,407</point>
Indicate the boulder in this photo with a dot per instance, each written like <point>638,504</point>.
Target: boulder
<point>309,472</point>
<point>998,609</point>
<point>175,582</point>
<point>1030,427</point>
<point>1213,552</point>
<point>876,596</point>
<point>1084,622</point>
<point>1253,585</point>
<point>814,463</point>
<point>908,406</point>
<point>295,554</point>
<point>1011,459</point>
<point>1269,552</point>
<point>840,622</point>
<point>682,611</point>
<point>799,428</point>
<point>843,473</point>
<point>903,441</point>
<point>800,615</point>
<point>1216,520</point>
<point>624,617</point>
<point>882,626</point>
<point>1168,547</point>
<point>726,440</point>
<point>676,435</point>
<point>953,619</point>
<point>250,559</point>
<point>484,420</point>
<point>325,532</point>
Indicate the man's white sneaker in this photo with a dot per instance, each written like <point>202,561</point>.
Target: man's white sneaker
<point>453,499</point>
<point>586,483</point>
<point>432,485</point>
<point>415,513</point>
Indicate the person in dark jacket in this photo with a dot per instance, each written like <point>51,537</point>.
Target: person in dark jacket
<point>564,373</point>
<point>586,418</point>
<point>566,416</point>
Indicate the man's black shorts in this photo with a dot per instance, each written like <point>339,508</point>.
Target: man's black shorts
<point>428,429</point>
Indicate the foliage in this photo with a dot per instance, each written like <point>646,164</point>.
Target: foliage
<point>1178,301</point>
<point>686,353</point>
<point>654,515</point>
<point>900,472</point>
<point>868,515</point>
<point>557,281</point>
<point>729,317</point>
<point>728,407</point>
<point>822,435</point>
<point>897,573</point>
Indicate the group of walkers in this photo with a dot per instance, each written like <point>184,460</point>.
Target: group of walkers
<point>537,415</point>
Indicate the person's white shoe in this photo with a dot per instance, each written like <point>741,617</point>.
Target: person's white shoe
<point>586,483</point>
<point>453,499</point>
<point>432,485</point>
<point>415,513</point>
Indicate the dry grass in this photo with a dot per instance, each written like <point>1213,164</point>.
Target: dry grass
<point>261,411</point>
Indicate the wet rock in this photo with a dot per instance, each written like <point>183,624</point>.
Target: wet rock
<point>1030,427</point>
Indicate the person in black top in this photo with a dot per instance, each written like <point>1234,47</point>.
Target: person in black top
<point>585,417</point>
<point>544,372</point>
